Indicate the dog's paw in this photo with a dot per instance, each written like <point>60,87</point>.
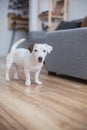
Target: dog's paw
<point>27,83</point>
<point>38,82</point>
<point>7,78</point>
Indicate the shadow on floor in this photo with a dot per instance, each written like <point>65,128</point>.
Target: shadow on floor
<point>84,81</point>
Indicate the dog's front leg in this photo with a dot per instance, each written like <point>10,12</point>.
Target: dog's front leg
<point>27,75</point>
<point>7,78</point>
<point>37,81</point>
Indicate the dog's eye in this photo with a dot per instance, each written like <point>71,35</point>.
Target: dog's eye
<point>44,50</point>
<point>35,50</point>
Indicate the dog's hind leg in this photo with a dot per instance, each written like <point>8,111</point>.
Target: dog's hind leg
<point>8,66</point>
<point>15,73</point>
<point>27,75</point>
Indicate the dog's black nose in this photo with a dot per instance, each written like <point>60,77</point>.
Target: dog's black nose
<point>40,59</point>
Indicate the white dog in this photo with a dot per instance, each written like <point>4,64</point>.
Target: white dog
<point>29,60</point>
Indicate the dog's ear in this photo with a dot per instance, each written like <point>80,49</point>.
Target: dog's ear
<point>30,48</point>
<point>49,48</point>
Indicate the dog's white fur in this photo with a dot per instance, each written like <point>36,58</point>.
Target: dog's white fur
<point>29,61</point>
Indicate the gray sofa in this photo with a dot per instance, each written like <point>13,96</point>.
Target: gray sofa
<point>37,37</point>
<point>69,55</point>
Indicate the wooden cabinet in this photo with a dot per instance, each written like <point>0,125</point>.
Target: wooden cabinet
<point>19,21</point>
<point>56,10</point>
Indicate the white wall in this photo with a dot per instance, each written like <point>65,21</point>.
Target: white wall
<point>5,34</point>
<point>76,9</point>
<point>44,5</point>
<point>33,13</point>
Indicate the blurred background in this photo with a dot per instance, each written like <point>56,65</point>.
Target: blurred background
<point>19,17</point>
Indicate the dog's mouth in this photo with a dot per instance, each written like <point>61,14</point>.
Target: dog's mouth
<point>40,61</point>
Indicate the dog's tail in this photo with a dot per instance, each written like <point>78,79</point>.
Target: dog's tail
<point>17,44</point>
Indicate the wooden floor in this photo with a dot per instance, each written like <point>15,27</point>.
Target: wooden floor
<point>58,104</point>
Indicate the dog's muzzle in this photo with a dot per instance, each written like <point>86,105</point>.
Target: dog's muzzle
<point>40,59</point>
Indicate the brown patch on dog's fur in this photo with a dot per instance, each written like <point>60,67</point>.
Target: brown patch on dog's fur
<point>30,48</point>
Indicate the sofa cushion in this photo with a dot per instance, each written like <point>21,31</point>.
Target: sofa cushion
<point>84,23</point>
<point>68,25</point>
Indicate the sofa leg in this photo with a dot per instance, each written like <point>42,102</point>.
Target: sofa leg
<point>51,73</point>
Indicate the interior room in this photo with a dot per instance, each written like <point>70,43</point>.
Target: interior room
<point>43,65</point>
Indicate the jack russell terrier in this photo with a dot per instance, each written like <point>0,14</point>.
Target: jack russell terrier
<point>29,60</point>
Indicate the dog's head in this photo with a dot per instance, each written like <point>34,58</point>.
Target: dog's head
<point>39,51</point>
